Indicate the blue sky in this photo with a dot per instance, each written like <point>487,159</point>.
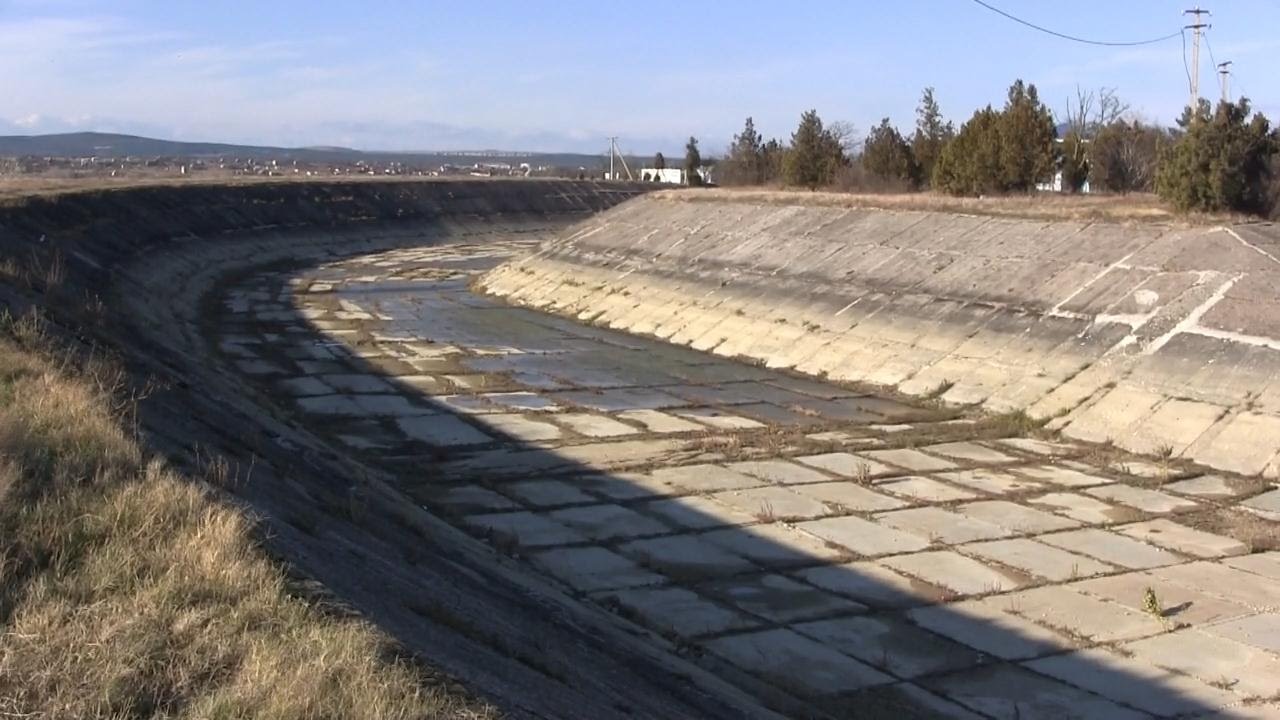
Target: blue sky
<point>563,75</point>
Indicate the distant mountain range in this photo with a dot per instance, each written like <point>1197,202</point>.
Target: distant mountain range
<point>92,144</point>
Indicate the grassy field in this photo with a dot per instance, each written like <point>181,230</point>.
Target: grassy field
<point>15,188</point>
<point>130,591</point>
<point>1135,208</point>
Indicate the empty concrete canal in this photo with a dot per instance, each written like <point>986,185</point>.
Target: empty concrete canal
<point>583,522</point>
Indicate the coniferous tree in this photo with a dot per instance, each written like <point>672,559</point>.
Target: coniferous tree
<point>660,162</point>
<point>932,134</point>
<point>744,164</point>
<point>970,163</point>
<point>1027,134</point>
<point>692,162</point>
<point>1221,162</point>
<point>815,154</point>
<point>887,155</point>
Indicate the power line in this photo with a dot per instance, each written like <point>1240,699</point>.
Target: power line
<point>1073,38</point>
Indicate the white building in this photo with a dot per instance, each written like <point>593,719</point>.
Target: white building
<point>670,176</point>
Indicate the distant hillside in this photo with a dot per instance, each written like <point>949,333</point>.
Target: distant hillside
<point>92,144</point>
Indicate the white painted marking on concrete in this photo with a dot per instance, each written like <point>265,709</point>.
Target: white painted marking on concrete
<point>1192,319</point>
<point>1250,245</point>
<point>1146,298</point>
<point>1255,340</point>
<point>1113,266</point>
<point>846,307</point>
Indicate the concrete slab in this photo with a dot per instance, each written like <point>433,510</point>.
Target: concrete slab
<point>522,401</point>
<point>1249,671</point>
<point>357,383</point>
<point>1144,499</point>
<point>1082,508</point>
<point>592,568</point>
<point>695,512</point>
<point>1260,631</point>
<point>795,662</point>
<point>1080,615</point>
<point>594,426</point>
<point>941,526</point>
<point>912,460</point>
<point>703,478</point>
<point>863,536</point>
<point>1266,564</point>
<point>925,489</point>
<point>1040,447</point>
<point>1037,559</point>
<point>679,611</point>
<point>608,522</point>
<point>1008,692</point>
<point>849,496</point>
<point>1207,486</point>
<point>969,452</point>
<point>872,585</point>
<point>995,482</point>
<point>660,422</point>
<point>1180,538</point>
<point>1247,444</point>
<point>779,471</point>
<point>388,406</point>
<point>955,572</point>
<point>618,399</point>
<point>779,599</point>
<point>686,558</point>
<point>847,465</point>
<point>1221,580</point>
<point>1136,684</point>
<point>619,486</point>
<point>772,504</point>
<point>1180,605</point>
<point>1014,517</point>
<point>441,431</point>
<point>986,627</point>
<point>1058,475</point>
<point>473,498</point>
<point>546,493</point>
<point>525,529</point>
<point>1111,548</point>
<point>892,645</point>
<point>719,419</point>
<point>775,545</point>
<point>521,428</point>
<point>329,405</point>
<point>907,701</point>
<point>1266,505</point>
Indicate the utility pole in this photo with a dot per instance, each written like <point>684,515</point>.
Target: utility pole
<point>613,150</point>
<point>1224,76</point>
<point>1198,28</point>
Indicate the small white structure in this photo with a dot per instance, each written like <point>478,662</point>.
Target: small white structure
<point>672,176</point>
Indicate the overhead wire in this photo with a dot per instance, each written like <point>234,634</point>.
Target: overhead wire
<point>1074,38</point>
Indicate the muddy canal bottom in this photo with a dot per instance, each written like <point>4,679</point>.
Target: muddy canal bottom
<point>820,546</point>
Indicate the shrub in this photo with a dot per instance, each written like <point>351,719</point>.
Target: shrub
<point>1221,162</point>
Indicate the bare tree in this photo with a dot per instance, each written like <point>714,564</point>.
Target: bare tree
<point>846,133</point>
<point>1093,111</point>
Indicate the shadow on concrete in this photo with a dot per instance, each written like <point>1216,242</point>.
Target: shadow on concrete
<point>807,633</point>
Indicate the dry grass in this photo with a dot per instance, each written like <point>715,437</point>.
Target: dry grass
<point>15,188</point>
<point>1135,208</point>
<point>128,591</point>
